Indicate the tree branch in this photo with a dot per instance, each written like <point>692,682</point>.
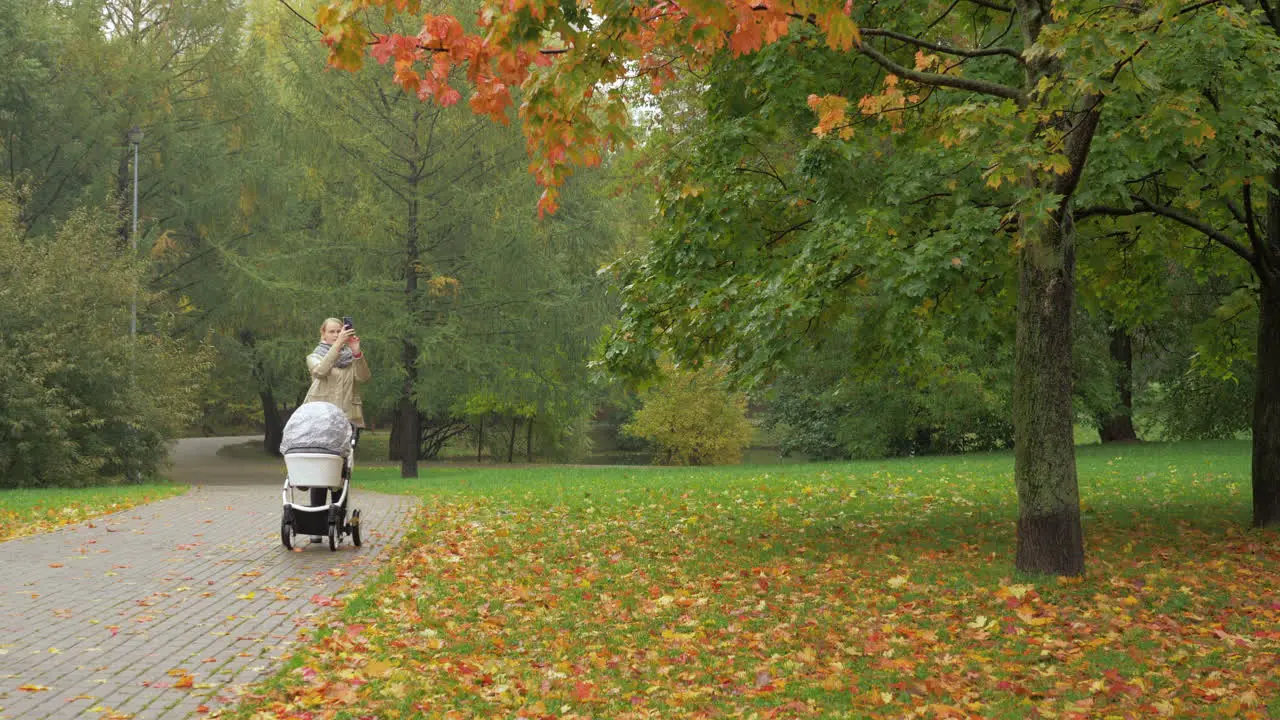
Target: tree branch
<point>1262,249</point>
<point>1078,140</point>
<point>943,16</point>
<point>779,234</point>
<point>765,173</point>
<point>993,5</point>
<point>1250,225</point>
<point>936,80</point>
<point>1142,205</point>
<point>985,52</point>
<point>300,15</point>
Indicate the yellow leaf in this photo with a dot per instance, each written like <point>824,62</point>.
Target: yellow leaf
<point>398,691</point>
<point>1019,591</point>
<point>163,244</point>
<point>842,31</point>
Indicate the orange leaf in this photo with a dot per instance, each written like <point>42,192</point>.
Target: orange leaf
<point>583,691</point>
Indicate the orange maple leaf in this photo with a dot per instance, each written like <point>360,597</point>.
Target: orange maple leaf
<point>830,110</point>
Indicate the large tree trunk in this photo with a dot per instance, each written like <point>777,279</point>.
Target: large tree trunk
<point>1266,399</point>
<point>273,424</point>
<point>1050,539</point>
<point>1049,536</point>
<point>1119,426</point>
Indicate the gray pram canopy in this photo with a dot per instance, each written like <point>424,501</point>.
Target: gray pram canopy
<point>317,426</point>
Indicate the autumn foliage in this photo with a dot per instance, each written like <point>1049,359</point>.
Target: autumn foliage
<point>566,118</point>
<point>28,512</point>
<point>839,590</point>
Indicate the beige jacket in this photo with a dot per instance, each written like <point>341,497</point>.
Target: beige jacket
<point>332,384</point>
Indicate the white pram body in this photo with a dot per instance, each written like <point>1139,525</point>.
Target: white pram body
<point>318,447</point>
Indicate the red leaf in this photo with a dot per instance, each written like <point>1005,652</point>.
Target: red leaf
<point>383,49</point>
<point>583,691</point>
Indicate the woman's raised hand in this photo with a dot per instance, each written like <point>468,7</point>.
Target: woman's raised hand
<point>345,336</point>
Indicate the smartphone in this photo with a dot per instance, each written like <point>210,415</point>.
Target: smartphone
<point>346,321</point>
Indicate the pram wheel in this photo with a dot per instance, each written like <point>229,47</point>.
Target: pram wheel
<point>333,536</point>
<point>354,527</point>
<point>286,530</point>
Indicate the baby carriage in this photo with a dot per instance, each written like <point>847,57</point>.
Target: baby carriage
<point>318,446</point>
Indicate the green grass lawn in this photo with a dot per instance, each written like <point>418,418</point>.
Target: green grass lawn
<point>26,512</point>
<point>870,589</point>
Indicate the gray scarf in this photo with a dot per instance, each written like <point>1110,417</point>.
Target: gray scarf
<point>345,356</point>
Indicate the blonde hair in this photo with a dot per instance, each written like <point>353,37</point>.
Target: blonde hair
<point>326,322</point>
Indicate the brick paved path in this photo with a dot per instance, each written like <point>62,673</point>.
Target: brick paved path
<point>109,614</point>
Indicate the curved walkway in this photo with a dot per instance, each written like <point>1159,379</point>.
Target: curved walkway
<point>161,611</point>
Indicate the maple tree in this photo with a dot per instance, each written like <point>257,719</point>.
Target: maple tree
<point>1202,159</point>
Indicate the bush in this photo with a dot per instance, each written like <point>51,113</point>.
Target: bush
<point>80,403</point>
<point>693,419</point>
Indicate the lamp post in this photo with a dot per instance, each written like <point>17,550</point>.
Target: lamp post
<point>135,137</point>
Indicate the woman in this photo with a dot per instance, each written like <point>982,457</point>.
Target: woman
<point>337,367</point>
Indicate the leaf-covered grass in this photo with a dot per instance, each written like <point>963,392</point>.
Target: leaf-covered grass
<point>876,589</point>
<point>31,511</point>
